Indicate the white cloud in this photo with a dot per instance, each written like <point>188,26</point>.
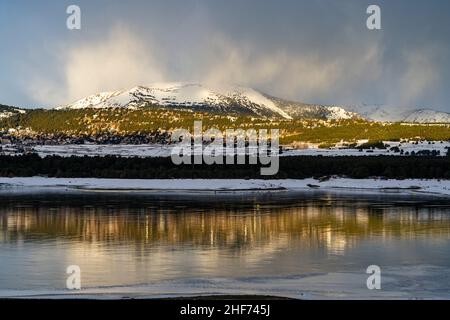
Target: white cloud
<point>306,74</point>
<point>119,61</point>
<point>349,74</point>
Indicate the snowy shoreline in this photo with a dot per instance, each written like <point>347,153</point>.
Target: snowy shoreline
<point>201,186</point>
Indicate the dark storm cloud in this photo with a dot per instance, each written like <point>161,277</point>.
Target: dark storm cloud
<point>313,51</point>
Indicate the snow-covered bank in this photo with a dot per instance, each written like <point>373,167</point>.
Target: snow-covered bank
<point>436,187</point>
<point>161,150</point>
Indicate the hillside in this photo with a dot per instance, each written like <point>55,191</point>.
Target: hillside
<point>242,101</point>
<point>152,120</point>
<point>387,113</point>
<point>428,116</point>
<point>156,110</point>
<point>237,101</point>
<point>9,111</point>
<point>225,100</point>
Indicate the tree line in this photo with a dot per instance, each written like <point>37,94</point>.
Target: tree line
<point>295,167</point>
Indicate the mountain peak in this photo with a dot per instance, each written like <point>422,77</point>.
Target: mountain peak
<point>195,96</point>
<point>238,100</point>
<point>226,99</point>
<point>428,116</point>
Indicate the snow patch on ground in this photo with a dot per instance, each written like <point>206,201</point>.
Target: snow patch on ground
<point>142,150</point>
<point>158,150</point>
<point>407,147</point>
<point>432,186</point>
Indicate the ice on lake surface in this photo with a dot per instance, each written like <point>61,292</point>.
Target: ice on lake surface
<point>310,246</point>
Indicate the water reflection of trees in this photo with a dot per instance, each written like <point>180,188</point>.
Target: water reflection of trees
<point>334,227</point>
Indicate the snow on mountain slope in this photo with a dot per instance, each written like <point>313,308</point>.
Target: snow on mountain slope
<point>403,114</point>
<point>380,112</point>
<point>229,99</point>
<point>337,113</point>
<point>224,99</point>
<point>236,100</point>
<point>7,111</point>
<point>428,116</point>
<point>5,114</point>
<point>298,110</point>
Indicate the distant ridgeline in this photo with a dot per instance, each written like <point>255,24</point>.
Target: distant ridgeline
<point>294,167</point>
<point>8,111</point>
<point>159,122</point>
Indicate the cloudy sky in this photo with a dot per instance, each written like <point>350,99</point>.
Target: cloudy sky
<point>310,51</point>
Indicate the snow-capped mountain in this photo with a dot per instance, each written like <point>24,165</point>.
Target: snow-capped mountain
<point>386,113</point>
<point>380,112</point>
<point>298,110</point>
<point>236,100</point>
<point>428,116</point>
<point>194,96</point>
